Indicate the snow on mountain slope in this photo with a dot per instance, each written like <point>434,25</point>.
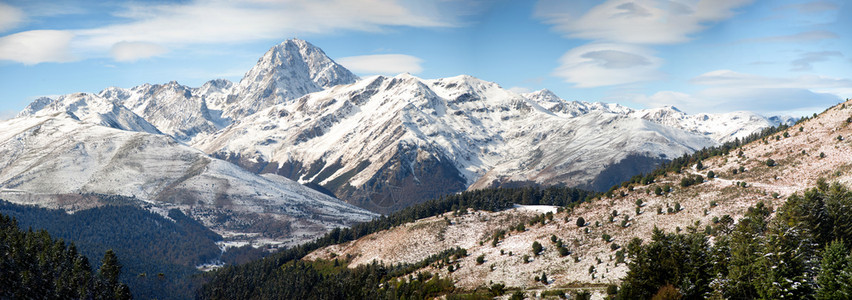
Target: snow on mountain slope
<point>724,127</point>
<point>175,109</point>
<point>90,109</point>
<point>553,103</point>
<point>384,143</point>
<point>47,159</point>
<point>287,71</point>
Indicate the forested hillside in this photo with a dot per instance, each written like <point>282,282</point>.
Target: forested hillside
<point>34,265</point>
<point>261,279</point>
<point>802,253</point>
<point>159,254</point>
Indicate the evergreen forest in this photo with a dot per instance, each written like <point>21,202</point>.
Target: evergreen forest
<point>34,265</point>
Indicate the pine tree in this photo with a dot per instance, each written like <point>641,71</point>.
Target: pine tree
<point>835,279</point>
<point>109,272</point>
<point>110,268</point>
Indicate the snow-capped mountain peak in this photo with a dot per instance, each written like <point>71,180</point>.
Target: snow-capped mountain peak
<point>559,106</point>
<point>37,105</point>
<point>287,71</point>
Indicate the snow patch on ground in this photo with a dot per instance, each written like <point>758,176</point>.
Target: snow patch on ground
<point>537,208</point>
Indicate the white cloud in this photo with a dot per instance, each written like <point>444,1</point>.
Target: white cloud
<point>385,64</point>
<point>766,101</point>
<point>37,46</point>
<point>730,78</point>
<point>212,22</point>
<point>635,21</point>
<point>733,91</point>
<point>607,64</point>
<point>10,17</point>
<point>616,27</point>
<point>217,21</point>
<point>132,51</point>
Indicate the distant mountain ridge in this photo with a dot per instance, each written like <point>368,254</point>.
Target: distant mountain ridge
<point>384,143</point>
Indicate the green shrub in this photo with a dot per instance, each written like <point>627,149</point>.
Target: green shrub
<point>537,248</point>
<point>770,162</point>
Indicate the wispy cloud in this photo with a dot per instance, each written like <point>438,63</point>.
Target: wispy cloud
<point>10,17</point>
<point>166,26</point>
<point>621,31</point>
<point>635,22</point>
<point>384,64</point>
<point>37,46</point>
<point>736,79</point>
<point>607,64</point>
<point>807,36</point>
<point>728,90</point>
<point>132,51</point>
<point>520,89</point>
<point>805,62</point>
<point>767,101</point>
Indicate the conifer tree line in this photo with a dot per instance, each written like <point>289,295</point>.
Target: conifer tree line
<point>255,278</point>
<point>801,253</point>
<point>324,279</point>
<point>159,255</point>
<point>35,266</point>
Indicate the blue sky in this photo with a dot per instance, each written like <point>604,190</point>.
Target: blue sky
<point>771,57</point>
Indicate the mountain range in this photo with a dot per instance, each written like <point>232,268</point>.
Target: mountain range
<point>238,155</point>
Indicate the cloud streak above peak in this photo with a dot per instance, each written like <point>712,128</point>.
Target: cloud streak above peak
<point>163,26</point>
<point>384,64</point>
